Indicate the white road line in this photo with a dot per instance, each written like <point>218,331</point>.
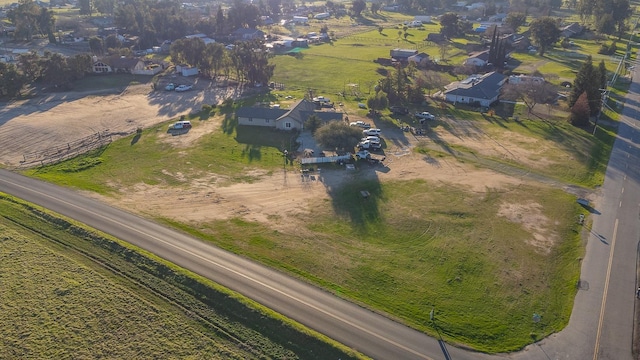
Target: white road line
<point>606,289</point>
<point>228,269</point>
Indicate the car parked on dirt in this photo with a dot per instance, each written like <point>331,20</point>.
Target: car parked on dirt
<point>170,87</point>
<point>373,139</point>
<point>180,125</point>
<point>361,124</point>
<point>372,132</point>
<point>425,115</point>
<point>182,88</point>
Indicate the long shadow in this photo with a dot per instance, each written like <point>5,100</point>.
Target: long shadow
<point>359,199</point>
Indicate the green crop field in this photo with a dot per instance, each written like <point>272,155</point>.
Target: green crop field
<point>70,292</point>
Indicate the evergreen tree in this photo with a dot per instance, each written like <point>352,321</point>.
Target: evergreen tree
<point>602,74</point>
<point>587,80</point>
<point>580,111</point>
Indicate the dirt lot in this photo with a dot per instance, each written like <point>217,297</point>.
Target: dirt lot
<point>42,122</point>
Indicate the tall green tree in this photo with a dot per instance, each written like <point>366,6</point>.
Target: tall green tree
<point>602,74</point>
<point>580,111</point>
<point>515,20</point>
<point>587,81</point>
<point>449,24</point>
<point>358,6</point>
<point>337,135</point>
<point>11,80</point>
<point>544,32</point>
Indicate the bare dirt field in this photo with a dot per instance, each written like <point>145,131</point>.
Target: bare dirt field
<point>41,122</point>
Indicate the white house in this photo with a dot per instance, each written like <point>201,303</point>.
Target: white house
<point>480,59</point>
<point>481,89</point>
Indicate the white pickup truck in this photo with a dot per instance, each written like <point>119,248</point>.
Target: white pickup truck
<point>425,115</point>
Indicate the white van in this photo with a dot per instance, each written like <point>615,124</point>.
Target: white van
<point>183,124</point>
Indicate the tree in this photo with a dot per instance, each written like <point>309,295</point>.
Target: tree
<point>602,74</point>
<point>11,80</point>
<point>96,45</point>
<point>606,24</point>
<point>30,65</point>
<point>432,80</point>
<point>544,32</point>
<point>449,24</point>
<point>358,6</point>
<point>378,101</point>
<point>380,28</point>
<point>338,135</point>
<point>587,81</point>
<point>515,19</point>
<point>30,19</point>
<point>375,6</point>
<point>531,92</point>
<point>580,111</point>
<point>313,123</point>
<point>443,48</point>
<point>105,6</point>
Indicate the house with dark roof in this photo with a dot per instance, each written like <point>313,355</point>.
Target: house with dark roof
<point>482,89</point>
<point>285,119</point>
<point>436,38</point>
<point>420,60</point>
<point>571,30</point>
<point>246,34</point>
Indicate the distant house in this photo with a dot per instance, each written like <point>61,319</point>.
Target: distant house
<point>284,119</point>
<point>571,30</point>
<point>479,59</point>
<point>119,65</point>
<point>436,38</point>
<point>420,60</point>
<point>186,70</point>
<point>525,79</point>
<point>402,54</point>
<point>322,16</point>
<point>246,34</point>
<point>481,89</point>
<point>203,37</point>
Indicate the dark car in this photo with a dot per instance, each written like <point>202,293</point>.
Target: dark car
<point>399,110</point>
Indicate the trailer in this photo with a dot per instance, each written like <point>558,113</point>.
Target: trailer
<point>325,159</point>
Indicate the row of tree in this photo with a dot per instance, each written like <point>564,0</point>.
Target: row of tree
<point>249,59</point>
<point>51,69</point>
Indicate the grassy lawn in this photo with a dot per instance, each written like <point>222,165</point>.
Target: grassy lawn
<point>231,151</point>
<point>417,245</point>
<point>59,303</point>
<point>476,268</point>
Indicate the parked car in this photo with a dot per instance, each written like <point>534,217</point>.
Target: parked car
<point>372,132</point>
<point>170,87</point>
<point>363,154</point>
<point>361,124</point>
<point>182,88</point>
<point>399,110</point>
<point>369,145</point>
<point>179,125</point>
<point>373,139</point>
<point>425,115</point>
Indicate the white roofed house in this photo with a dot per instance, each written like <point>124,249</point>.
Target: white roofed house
<point>481,89</point>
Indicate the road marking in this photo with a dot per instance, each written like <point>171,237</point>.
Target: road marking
<point>620,204</point>
<point>606,289</point>
<point>225,268</point>
<point>622,192</point>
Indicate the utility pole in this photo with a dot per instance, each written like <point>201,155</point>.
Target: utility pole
<point>603,101</point>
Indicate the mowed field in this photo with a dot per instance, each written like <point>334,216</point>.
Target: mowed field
<point>70,293</point>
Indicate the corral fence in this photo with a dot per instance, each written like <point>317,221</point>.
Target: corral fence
<point>59,153</point>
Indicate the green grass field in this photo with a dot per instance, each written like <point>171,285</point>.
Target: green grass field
<point>415,232</point>
<point>71,292</point>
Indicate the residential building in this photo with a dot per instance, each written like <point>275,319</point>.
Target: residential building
<point>285,119</point>
<point>481,89</point>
